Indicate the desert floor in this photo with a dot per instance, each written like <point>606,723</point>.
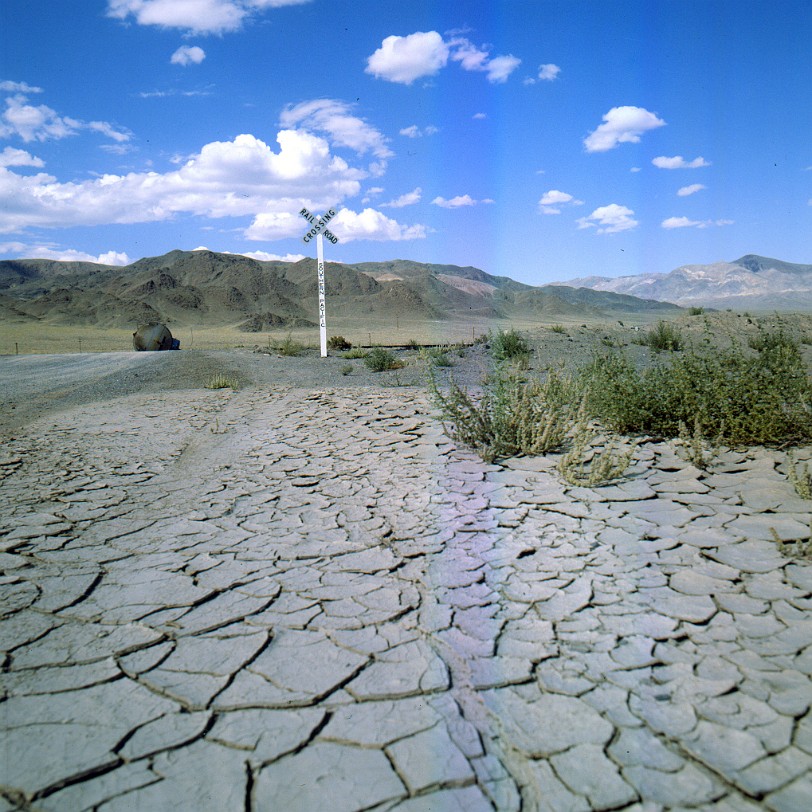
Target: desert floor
<point>302,595</point>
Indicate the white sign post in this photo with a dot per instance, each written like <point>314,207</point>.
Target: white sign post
<point>319,231</point>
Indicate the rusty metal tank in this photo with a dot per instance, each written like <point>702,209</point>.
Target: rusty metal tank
<point>152,337</point>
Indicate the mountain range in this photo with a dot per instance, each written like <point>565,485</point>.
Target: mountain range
<point>751,282</point>
<point>215,289</point>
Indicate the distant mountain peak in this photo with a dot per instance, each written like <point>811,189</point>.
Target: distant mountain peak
<point>750,282</point>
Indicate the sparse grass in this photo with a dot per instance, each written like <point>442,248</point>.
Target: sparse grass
<point>220,381</point>
<point>508,345</point>
<point>512,416</point>
<point>695,448</point>
<point>354,353</point>
<point>592,459</point>
<point>289,347</point>
<point>558,328</point>
<point>338,343</point>
<point>379,360</point>
<point>438,356</point>
<point>800,477</point>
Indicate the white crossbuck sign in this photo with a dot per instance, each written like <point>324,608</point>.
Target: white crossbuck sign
<point>319,230</point>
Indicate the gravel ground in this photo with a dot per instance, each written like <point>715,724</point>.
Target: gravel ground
<point>35,385</point>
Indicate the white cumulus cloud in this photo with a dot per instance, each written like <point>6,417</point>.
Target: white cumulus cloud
<point>405,59</point>
<point>409,199</point>
<point>621,125</point>
<point>678,162</point>
<point>690,190</point>
<point>41,123</point>
<point>188,55</point>
<point>609,219</point>
<point>414,131</point>
<point>546,73</point>
<point>372,225</point>
<point>225,179</point>
<point>454,202</point>
<point>426,53</point>
<point>195,16</point>
<point>335,119</point>
<point>549,72</point>
<point>18,87</point>
<point>551,200</point>
<point>39,251</point>
<point>19,157</point>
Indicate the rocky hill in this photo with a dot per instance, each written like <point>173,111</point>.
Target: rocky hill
<point>204,287</point>
<point>751,282</point>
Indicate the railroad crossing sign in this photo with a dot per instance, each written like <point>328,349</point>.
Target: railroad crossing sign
<point>319,230</point>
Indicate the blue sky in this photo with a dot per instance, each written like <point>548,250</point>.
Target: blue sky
<point>538,140</point>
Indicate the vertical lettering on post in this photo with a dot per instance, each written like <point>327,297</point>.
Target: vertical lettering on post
<point>319,231</point>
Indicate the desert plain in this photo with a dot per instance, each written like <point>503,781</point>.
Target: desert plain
<point>300,593</point>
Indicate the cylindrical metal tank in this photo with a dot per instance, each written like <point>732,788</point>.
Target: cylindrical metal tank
<point>152,337</point>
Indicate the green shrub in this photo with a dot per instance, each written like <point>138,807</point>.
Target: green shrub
<point>512,416</point>
<point>379,360</point>
<point>510,345</point>
<point>696,311</point>
<point>722,393</point>
<point>558,328</point>
<point>767,341</point>
<point>346,369</point>
<point>356,352</point>
<point>289,347</point>
<point>663,337</point>
<point>338,343</point>
<point>438,356</point>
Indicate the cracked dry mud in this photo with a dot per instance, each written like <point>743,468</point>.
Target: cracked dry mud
<point>299,600</point>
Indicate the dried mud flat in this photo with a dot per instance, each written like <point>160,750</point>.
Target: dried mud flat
<point>302,595</point>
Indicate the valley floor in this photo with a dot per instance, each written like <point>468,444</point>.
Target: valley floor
<point>304,597</point>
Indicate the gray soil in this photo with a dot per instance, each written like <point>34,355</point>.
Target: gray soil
<point>32,386</point>
<point>302,595</point>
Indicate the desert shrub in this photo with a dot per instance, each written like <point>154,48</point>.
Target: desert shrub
<point>220,381</point>
<point>696,311</point>
<point>289,347</point>
<point>356,352</point>
<point>664,337</point>
<point>592,460</point>
<point>346,369</point>
<point>770,341</point>
<point>509,345</point>
<point>379,360</point>
<point>694,447</point>
<point>438,356</point>
<point>800,477</point>
<point>723,393</point>
<point>512,415</point>
<point>338,343</point>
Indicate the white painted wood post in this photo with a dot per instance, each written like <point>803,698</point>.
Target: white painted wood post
<point>319,225</point>
<point>322,303</point>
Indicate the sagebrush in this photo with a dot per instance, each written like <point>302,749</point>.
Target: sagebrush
<point>511,415</point>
